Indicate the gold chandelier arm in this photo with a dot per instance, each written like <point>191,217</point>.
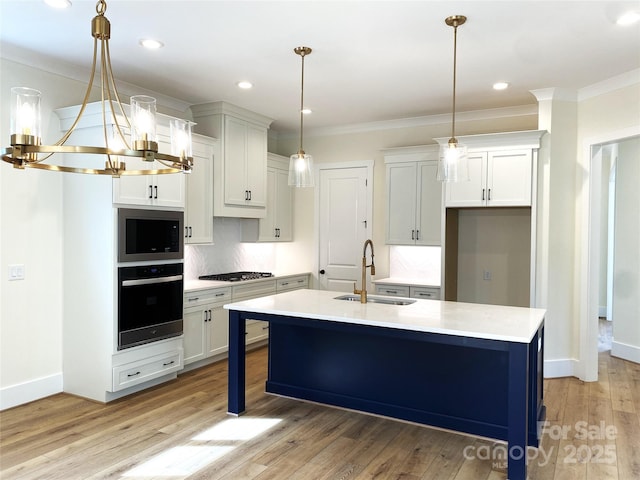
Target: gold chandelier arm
<point>117,95</point>
<point>66,136</point>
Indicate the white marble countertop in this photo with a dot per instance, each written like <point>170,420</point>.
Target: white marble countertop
<point>195,285</point>
<point>418,282</point>
<point>494,322</point>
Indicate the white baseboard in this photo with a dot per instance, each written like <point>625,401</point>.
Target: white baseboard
<point>29,391</point>
<point>565,367</point>
<point>625,351</point>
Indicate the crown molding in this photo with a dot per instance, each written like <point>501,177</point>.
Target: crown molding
<point>473,115</point>
<point>623,80</point>
<point>38,61</point>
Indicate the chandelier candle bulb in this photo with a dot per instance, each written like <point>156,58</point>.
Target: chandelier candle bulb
<point>143,123</point>
<point>25,112</point>
<point>180,138</point>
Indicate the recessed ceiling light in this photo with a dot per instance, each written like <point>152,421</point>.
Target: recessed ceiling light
<point>500,86</point>
<point>58,3</point>
<point>245,85</point>
<point>628,18</point>
<point>306,111</point>
<point>151,44</point>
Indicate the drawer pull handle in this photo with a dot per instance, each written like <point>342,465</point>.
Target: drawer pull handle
<point>168,363</point>
<point>284,284</point>
<point>193,299</point>
<point>392,291</point>
<point>219,294</point>
<point>133,374</point>
<point>265,328</point>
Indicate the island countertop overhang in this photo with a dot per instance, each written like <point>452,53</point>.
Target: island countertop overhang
<point>491,322</point>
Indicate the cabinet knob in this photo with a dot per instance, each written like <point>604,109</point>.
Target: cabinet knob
<point>322,272</point>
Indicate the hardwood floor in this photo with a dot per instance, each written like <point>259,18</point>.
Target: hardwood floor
<point>181,430</point>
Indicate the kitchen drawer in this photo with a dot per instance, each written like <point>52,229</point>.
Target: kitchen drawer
<point>256,331</point>
<point>202,297</point>
<point>253,290</point>
<point>393,290</point>
<point>427,293</point>
<point>134,373</point>
<point>292,283</point>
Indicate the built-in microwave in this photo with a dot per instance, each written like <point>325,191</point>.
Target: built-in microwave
<point>154,235</point>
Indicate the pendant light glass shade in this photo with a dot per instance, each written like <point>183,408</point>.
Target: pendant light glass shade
<point>301,164</point>
<point>301,170</point>
<point>453,163</point>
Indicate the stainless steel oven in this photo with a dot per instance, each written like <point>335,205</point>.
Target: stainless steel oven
<point>150,235</point>
<point>150,303</point>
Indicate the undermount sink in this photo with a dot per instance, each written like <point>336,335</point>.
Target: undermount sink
<point>370,299</point>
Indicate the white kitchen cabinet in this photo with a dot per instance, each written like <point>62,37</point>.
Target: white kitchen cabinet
<point>240,174</point>
<point>198,215</point>
<point>497,179</point>
<point>256,331</point>
<point>408,290</point>
<point>206,324</point>
<point>414,196</point>
<point>292,283</point>
<point>150,190</point>
<point>277,225</point>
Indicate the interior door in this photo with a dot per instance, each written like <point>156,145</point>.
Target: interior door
<point>344,226</point>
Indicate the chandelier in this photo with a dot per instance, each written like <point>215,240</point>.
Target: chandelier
<point>301,164</point>
<point>453,163</point>
<point>26,148</point>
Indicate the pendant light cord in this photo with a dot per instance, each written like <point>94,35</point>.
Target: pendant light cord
<point>301,103</point>
<point>453,116</point>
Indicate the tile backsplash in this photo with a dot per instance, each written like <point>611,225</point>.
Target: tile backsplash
<point>415,262</point>
<point>228,253</point>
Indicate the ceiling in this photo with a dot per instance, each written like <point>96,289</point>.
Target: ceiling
<point>372,60</point>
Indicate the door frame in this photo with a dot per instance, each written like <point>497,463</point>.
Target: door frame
<point>368,164</point>
<point>590,250</point>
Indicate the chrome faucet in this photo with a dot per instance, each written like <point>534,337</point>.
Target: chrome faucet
<point>363,291</point>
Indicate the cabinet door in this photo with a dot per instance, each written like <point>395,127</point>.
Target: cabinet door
<point>134,189</point>
<point>472,193</point>
<point>429,214</point>
<point>235,156</point>
<point>267,225</point>
<point>401,203</point>
<point>218,331</point>
<point>199,196</point>
<point>283,206</point>
<point>193,341</point>
<point>509,178</point>
<point>169,190</point>
<point>256,169</point>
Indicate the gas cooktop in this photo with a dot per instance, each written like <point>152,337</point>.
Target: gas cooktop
<point>236,276</point>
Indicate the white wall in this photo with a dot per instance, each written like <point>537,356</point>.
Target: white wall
<point>626,264</point>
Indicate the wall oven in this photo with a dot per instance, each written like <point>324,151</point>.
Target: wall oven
<point>150,303</point>
<point>150,235</point>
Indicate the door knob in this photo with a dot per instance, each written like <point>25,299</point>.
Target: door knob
<point>322,272</point>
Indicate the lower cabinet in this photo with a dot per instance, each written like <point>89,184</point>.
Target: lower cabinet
<point>408,290</point>
<point>206,324</point>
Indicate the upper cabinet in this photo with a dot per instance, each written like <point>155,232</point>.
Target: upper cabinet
<point>500,170</point>
<point>277,225</point>
<point>150,190</point>
<point>240,172</point>
<point>198,215</point>
<point>414,196</point>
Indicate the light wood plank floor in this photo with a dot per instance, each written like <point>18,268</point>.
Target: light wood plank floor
<point>167,433</point>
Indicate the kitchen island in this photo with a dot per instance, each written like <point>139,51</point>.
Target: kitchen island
<point>471,368</point>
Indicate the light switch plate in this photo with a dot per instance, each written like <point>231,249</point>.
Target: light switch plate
<point>16,272</point>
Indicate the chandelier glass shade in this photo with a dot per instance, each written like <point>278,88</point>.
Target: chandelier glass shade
<point>301,164</point>
<point>26,148</point>
<point>453,164</point>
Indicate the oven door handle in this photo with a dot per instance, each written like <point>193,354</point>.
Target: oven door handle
<point>148,281</point>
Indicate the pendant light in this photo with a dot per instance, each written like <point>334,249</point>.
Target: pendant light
<point>301,164</point>
<point>26,148</point>
<point>453,163</point>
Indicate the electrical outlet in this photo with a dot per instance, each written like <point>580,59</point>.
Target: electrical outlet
<point>486,275</point>
<point>16,272</point>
